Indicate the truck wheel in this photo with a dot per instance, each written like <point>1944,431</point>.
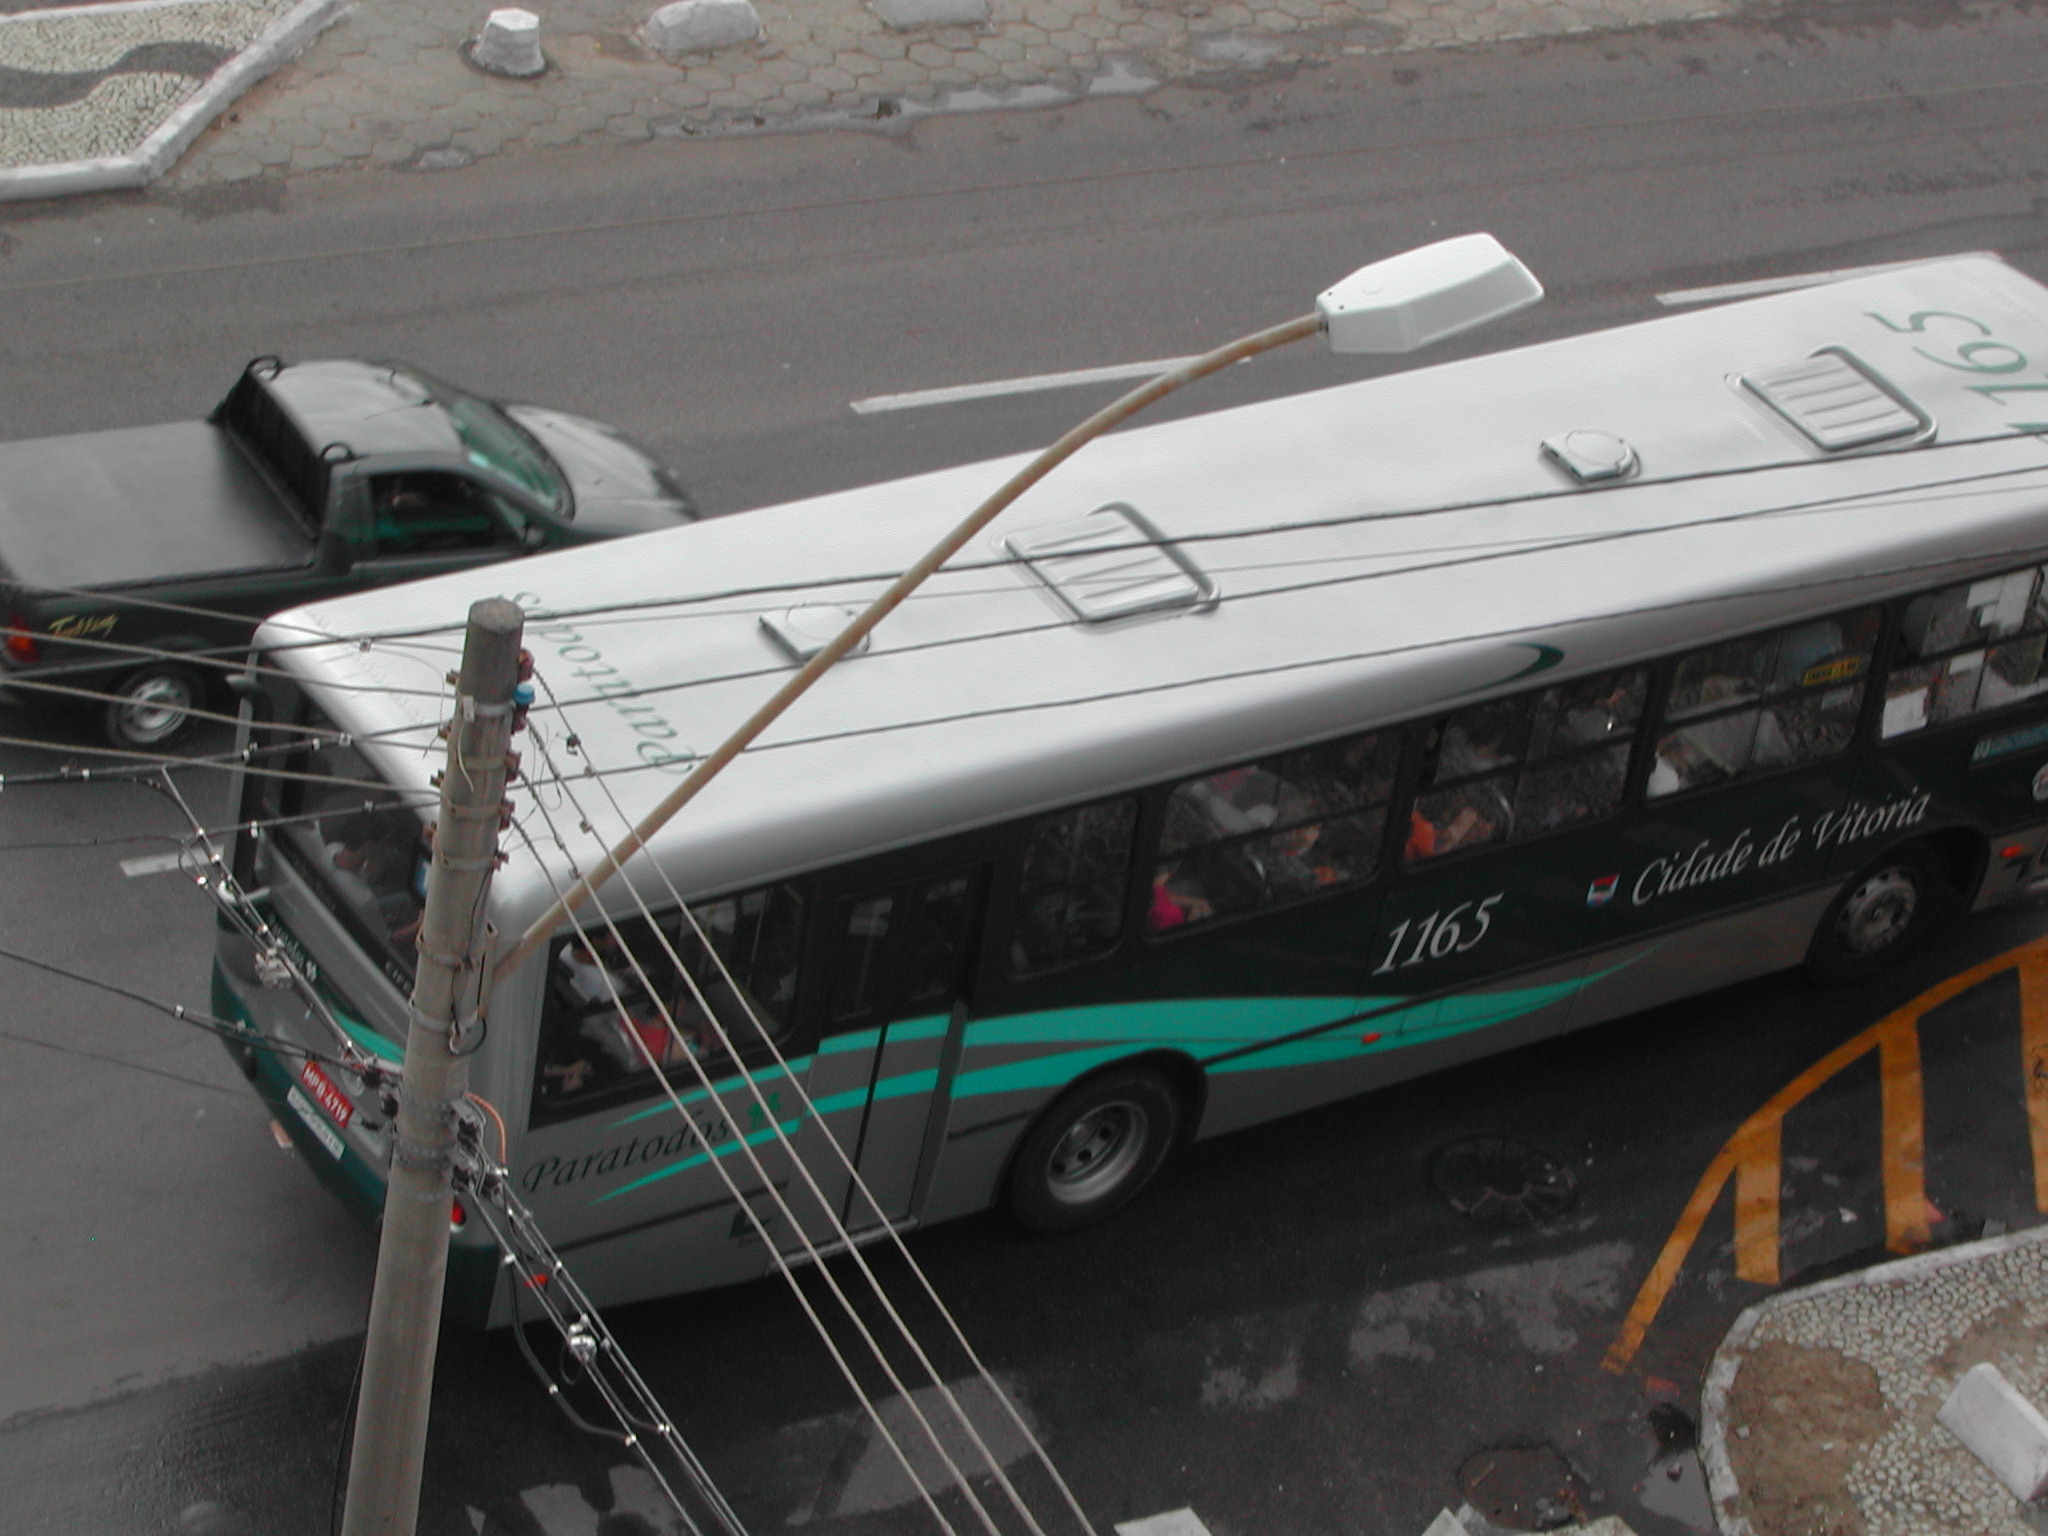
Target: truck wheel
<point>1092,1152</point>
<point>1884,913</point>
<point>150,711</point>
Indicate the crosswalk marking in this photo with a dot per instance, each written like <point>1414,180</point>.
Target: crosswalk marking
<point>1752,1157</point>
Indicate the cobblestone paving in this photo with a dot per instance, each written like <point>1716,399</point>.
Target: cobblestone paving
<point>79,84</point>
<point>389,82</point>
<point>1916,1334</point>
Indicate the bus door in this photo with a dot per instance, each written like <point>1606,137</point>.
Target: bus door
<point>898,965</point>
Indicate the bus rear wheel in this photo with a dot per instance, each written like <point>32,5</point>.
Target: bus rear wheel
<point>1094,1150</point>
<point>1885,912</point>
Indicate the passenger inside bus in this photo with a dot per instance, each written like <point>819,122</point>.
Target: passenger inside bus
<point>1484,737</point>
<point>616,1027</point>
<point>1467,816</point>
<point>1177,898</point>
<point>377,862</point>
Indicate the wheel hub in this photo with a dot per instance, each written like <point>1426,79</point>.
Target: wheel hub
<point>1878,912</point>
<point>1097,1152</point>
<point>155,708</point>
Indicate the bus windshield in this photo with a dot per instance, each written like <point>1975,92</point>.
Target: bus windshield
<point>363,849</point>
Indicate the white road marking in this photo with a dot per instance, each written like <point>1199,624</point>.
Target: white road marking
<point>1024,386</point>
<point>152,864</point>
<point>1682,296</point>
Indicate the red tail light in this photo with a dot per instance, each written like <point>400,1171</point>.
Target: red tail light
<point>21,645</point>
<point>458,1218</point>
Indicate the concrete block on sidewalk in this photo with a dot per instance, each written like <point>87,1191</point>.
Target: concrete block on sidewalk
<point>2001,1428</point>
<point>702,26</point>
<point>915,15</point>
<point>1175,1522</point>
<point>1467,1521</point>
<point>510,44</point>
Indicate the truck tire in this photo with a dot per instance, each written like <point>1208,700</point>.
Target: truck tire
<point>1094,1150</point>
<point>1884,913</point>
<point>150,710</point>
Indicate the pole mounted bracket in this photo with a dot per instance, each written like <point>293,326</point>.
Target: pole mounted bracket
<point>406,1153</point>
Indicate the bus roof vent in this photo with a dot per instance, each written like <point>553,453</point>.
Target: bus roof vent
<point>805,631</point>
<point>1111,564</point>
<point>1590,455</point>
<point>1839,401</point>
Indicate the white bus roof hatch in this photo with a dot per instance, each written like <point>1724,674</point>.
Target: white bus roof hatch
<point>1838,401</point>
<point>1111,564</point>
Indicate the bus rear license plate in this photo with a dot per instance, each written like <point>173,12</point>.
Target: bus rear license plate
<point>325,1094</point>
<point>323,1133</point>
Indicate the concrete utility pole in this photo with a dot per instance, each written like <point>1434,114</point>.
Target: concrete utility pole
<point>412,1256</point>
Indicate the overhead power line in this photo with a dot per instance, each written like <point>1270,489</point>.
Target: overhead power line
<point>1485,554</point>
<point>234,1033</point>
<point>859,1185</point>
<point>826,1207</point>
<point>420,633</point>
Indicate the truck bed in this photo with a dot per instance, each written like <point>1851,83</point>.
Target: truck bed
<point>139,505</point>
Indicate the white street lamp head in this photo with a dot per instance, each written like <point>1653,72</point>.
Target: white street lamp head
<point>1422,296</point>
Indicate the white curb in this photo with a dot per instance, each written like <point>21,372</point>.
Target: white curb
<point>278,42</point>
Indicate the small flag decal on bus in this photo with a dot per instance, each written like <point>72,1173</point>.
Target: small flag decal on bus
<point>1601,891</point>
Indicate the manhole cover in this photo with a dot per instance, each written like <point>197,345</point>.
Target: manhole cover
<point>1499,1181</point>
<point>1524,1487</point>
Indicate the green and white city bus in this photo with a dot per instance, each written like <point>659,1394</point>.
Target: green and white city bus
<point>1252,761</point>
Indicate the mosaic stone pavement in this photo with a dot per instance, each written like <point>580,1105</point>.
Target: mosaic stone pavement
<point>1839,1432</point>
<point>389,82</point>
<point>86,82</point>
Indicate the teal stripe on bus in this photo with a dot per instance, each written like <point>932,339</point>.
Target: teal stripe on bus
<point>721,1087</point>
<point>361,1033</point>
<point>1115,1030</point>
<point>907,1083</point>
<point>1213,1022</point>
<point>1201,1026</point>
<point>684,1165</point>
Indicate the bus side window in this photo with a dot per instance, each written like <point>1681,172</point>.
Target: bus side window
<point>1968,648</point>
<point>759,938</point>
<point>600,1023</point>
<point>1273,831</point>
<point>614,1002</point>
<point>1070,896</point>
<point>1519,767</point>
<point>1765,702</point>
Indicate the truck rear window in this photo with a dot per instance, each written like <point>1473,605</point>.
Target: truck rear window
<point>252,417</point>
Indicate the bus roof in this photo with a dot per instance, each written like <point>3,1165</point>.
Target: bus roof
<point>1376,550</point>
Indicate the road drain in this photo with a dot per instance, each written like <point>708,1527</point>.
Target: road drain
<point>1498,1181</point>
<point>1524,1487</point>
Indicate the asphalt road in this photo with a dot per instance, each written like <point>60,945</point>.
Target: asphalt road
<point>725,302</point>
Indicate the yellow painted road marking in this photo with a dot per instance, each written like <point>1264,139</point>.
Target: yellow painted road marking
<point>1757,1186</point>
<point>2034,1063</point>
<point>1752,1155</point>
<point>1903,1122</point>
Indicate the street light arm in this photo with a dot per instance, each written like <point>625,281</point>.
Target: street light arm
<point>713,764</point>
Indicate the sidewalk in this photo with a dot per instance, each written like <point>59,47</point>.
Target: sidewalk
<point>387,83</point>
<point>1819,1407</point>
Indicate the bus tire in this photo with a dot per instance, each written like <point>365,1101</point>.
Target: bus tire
<point>1884,913</point>
<point>149,711</point>
<point>1094,1150</point>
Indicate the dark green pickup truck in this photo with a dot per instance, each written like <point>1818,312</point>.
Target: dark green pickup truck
<point>309,480</point>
